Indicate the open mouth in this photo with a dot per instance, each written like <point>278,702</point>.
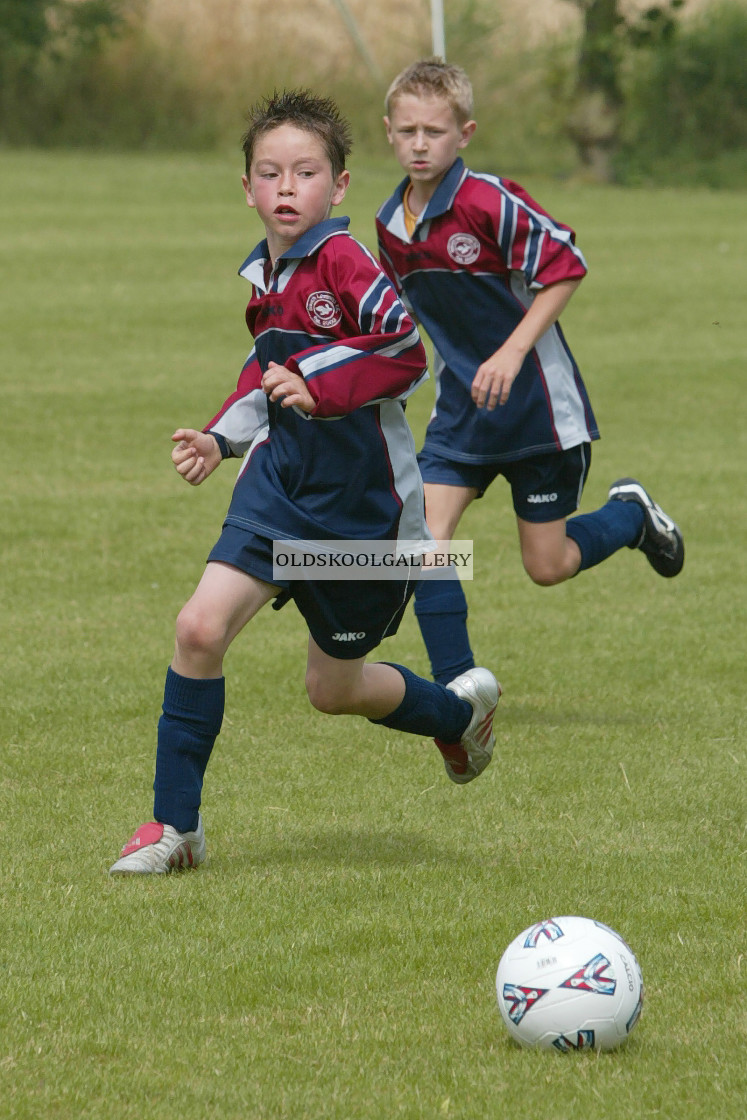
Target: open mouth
<point>286,211</point>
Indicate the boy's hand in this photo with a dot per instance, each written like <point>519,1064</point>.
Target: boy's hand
<point>279,382</point>
<point>494,378</point>
<point>196,455</point>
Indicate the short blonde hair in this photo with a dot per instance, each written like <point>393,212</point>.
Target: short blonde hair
<point>434,77</point>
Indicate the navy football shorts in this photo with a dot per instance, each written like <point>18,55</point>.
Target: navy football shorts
<point>543,487</point>
<point>346,618</point>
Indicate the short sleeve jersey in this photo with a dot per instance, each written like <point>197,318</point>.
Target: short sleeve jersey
<point>479,252</point>
<point>348,469</point>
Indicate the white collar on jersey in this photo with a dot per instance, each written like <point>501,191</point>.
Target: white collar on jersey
<point>254,266</point>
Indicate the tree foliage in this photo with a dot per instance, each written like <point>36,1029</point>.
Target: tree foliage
<point>608,36</point>
<point>24,26</point>
<point>39,41</point>
<point>686,105</point>
<point>30,27</point>
<point>643,97</point>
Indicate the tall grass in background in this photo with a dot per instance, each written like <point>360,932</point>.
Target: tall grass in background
<point>179,74</point>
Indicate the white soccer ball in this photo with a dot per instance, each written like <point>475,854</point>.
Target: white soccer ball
<point>569,984</point>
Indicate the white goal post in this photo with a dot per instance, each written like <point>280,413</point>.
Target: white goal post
<point>437,28</point>
<point>437,35</point>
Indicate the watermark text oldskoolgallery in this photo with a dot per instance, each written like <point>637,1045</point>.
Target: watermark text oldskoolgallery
<point>372,560</point>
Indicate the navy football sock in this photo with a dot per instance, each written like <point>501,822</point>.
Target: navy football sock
<point>428,709</point>
<point>441,611</point>
<point>191,721</point>
<point>603,532</point>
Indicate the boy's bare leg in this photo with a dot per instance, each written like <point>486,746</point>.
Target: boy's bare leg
<point>224,601</point>
<point>352,687</point>
<point>459,717</point>
<point>548,555</point>
<point>444,506</point>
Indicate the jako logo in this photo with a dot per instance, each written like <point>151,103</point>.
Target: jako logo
<point>537,499</point>
<point>350,636</point>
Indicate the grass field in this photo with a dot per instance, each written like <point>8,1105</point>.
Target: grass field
<point>335,958</point>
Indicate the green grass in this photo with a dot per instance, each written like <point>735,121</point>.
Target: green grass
<point>336,956</point>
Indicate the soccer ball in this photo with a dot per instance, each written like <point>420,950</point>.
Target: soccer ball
<point>569,984</point>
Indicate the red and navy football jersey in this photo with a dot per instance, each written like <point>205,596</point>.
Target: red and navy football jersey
<point>480,250</point>
<point>347,470</point>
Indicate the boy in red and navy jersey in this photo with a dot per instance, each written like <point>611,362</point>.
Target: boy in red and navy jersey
<point>487,272</point>
<point>326,312</point>
<point>319,416</point>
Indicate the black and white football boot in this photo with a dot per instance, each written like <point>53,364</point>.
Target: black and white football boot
<point>661,540</point>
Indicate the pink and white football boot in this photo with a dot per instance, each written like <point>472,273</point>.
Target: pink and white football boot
<point>158,848</point>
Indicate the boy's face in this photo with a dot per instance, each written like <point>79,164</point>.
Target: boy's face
<point>426,137</point>
<point>290,184</point>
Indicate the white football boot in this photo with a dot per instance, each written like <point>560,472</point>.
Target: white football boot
<point>481,690</point>
<point>158,848</point>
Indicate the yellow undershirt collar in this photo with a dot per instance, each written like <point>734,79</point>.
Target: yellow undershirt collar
<point>411,220</point>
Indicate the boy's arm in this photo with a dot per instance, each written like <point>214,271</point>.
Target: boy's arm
<point>492,382</point>
<point>243,415</point>
<point>381,358</point>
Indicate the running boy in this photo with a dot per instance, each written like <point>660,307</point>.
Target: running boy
<point>488,272</point>
<point>319,412</point>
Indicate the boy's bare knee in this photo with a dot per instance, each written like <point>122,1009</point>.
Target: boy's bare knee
<point>324,696</point>
<point>544,573</point>
<point>196,633</point>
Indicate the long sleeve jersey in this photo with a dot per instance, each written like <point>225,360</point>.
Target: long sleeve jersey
<point>347,470</point>
<point>479,252</point>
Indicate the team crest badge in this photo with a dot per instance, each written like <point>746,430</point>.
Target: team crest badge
<point>323,309</point>
<point>463,248</point>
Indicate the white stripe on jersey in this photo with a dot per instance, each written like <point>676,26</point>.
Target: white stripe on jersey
<point>286,274</point>
<point>260,437</point>
<point>566,406</point>
<point>546,223</point>
<point>406,480</point>
<point>366,314</point>
<point>533,251</point>
<point>332,356</point>
<point>462,177</point>
<point>397,224</point>
<point>241,422</point>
